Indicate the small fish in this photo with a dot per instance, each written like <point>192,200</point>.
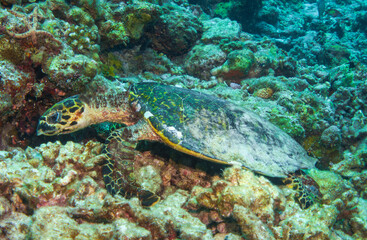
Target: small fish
<point>333,12</point>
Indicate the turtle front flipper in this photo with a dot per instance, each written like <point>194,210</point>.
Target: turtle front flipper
<point>118,171</point>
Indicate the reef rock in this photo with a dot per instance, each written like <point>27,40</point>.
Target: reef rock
<point>61,188</point>
<point>202,59</point>
<point>217,29</point>
<point>176,31</point>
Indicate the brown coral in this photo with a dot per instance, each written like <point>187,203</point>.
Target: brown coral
<point>264,93</point>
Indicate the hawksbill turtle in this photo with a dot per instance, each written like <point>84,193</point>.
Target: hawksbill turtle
<point>189,121</point>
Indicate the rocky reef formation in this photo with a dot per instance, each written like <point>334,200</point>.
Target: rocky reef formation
<point>57,191</point>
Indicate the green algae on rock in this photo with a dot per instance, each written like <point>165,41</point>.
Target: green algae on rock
<point>237,66</point>
<point>202,59</point>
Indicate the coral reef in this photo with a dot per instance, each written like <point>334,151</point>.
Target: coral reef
<point>71,72</point>
<point>62,186</point>
<point>138,16</point>
<point>202,59</point>
<point>216,29</point>
<point>15,226</point>
<point>176,31</point>
<point>83,39</point>
<point>13,82</point>
<point>244,12</point>
<point>237,66</point>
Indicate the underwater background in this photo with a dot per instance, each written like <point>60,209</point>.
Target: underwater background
<point>299,64</point>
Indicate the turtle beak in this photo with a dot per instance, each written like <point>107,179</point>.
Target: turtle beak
<point>45,129</point>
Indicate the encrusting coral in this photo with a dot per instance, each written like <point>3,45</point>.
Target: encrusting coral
<point>63,183</point>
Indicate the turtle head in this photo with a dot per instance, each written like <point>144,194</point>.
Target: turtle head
<point>65,116</point>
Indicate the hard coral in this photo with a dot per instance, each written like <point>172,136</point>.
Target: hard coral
<point>216,29</point>
<point>17,104</point>
<point>264,93</point>
<point>176,31</point>
<point>203,58</point>
<point>237,66</point>
<point>63,182</point>
<point>241,188</point>
<point>51,168</point>
<point>122,24</point>
<point>82,38</point>
<point>241,11</point>
<point>12,51</point>
<point>138,16</point>
<point>16,83</point>
<point>69,71</point>
<point>111,65</point>
<point>113,33</point>
<point>15,226</point>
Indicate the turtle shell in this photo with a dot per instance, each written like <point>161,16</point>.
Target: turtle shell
<point>217,130</point>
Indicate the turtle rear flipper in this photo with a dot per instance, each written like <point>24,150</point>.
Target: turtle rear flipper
<point>118,170</point>
<point>307,189</point>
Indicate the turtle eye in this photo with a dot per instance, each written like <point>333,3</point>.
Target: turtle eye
<point>54,117</point>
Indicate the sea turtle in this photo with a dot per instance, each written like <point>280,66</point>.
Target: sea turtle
<point>189,121</point>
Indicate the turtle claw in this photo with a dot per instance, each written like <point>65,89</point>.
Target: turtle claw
<point>147,198</point>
